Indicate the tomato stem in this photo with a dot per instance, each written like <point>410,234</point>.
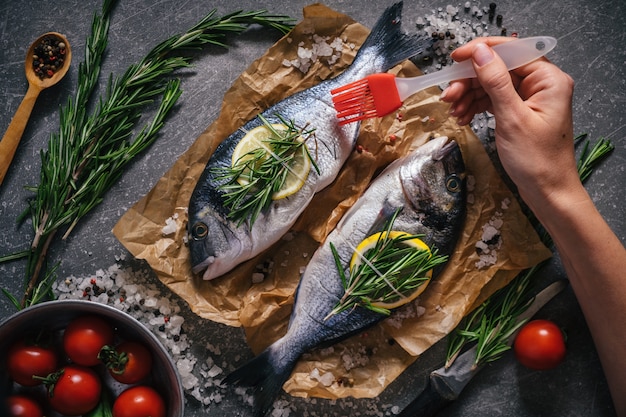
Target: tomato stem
<point>50,380</point>
<point>113,360</point>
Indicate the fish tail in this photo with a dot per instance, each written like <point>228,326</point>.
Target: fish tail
<point>265,377</point>
<point>392,43</point>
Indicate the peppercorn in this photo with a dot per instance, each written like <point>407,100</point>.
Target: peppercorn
<point>48,56</point>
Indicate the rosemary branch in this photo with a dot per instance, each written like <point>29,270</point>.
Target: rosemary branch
<point>389,271</point>
<point>253,179</point>
<point>492,323</point>
<point>90,151</point>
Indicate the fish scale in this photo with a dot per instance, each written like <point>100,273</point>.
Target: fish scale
<point>425,191</point>
<point>217,243</point>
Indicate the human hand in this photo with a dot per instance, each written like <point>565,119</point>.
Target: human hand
<point>532,106</point>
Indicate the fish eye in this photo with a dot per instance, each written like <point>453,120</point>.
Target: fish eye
<point>200,231</point>
<point>453,184</point>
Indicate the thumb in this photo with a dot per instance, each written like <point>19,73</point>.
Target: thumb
<point>495,79</point>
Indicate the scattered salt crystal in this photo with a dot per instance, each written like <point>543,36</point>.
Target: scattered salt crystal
<point>355,357</point>
<point>407,311</point>
<point>281,409</point>
<point>489,232</point>
<point>491,239</point>
<point>170,226</point>
<point>451,10</point>
<point>214,371</point>
<point>316,48</point>
<point>326,379</point>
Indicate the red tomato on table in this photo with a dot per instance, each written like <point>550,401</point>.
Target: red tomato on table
<point>540,345</point>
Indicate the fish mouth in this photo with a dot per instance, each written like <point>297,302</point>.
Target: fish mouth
<point>198,268</point>
<point>446,149</point>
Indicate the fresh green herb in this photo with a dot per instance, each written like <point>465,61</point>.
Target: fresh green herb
<point>89,153</point>
<point>492,324</point>
<point>251,182</point>
<point>389,271</point>
<point>589,159</point>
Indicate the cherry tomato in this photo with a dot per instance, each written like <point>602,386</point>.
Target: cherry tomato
<point>139,401</point>
<point>74,390</point>
<point>540,345</point>
<point>26,360</point>
<point>84,337</point>
<point>128,363</point>
<point>23,406</point>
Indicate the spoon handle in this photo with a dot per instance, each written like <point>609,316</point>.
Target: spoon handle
<point>13,135</point>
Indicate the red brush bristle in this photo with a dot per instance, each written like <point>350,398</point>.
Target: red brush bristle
<point>373,96</point>
<point>353,102</point>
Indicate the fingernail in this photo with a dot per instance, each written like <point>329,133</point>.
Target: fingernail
<point>482,54</point>
<point>452,110</point>
<point>444,93</point>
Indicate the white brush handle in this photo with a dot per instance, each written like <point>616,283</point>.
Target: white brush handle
<point>514,54</point>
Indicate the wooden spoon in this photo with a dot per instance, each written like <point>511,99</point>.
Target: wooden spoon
<point>13,135</point>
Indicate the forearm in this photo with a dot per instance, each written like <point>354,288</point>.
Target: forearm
<point>595,262</point>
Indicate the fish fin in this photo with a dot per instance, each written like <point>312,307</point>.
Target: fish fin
<point>396,46</point>
<point>386,213</point>
<point>265,378</point>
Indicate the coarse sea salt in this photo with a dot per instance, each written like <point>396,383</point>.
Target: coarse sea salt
<point>491,239</point>
<point>316,48</point>
<point>452,27</point>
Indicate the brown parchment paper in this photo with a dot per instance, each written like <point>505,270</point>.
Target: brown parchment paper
<point>365,364</point>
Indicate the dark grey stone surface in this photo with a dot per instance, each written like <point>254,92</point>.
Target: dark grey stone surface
<point>591,34</point>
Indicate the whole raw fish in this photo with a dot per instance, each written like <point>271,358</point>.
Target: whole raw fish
<point>427,187</point>
<point>218,243</point>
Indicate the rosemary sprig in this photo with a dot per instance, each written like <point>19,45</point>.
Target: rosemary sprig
<point>89,153</point>
<point>388,272</point>
<point>253,179</point>
<point>590,158</point>
<point>496,320</point>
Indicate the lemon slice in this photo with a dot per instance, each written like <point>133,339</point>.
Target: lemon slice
<point>257,138</point>
<point>370,243</point>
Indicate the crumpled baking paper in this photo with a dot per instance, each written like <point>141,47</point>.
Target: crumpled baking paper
<point>365,364</point>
